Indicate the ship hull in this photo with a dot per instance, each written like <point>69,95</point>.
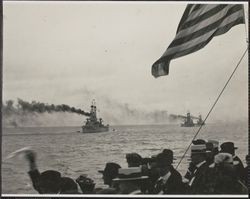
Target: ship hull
<point>95,130</point>
<point>187,125</point>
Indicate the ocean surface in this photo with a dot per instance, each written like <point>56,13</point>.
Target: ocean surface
<point>73,153</point>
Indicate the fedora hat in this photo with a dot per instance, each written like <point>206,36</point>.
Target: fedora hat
<point>128,174</point>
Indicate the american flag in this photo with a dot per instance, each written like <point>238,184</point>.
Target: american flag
<point>198,25</point>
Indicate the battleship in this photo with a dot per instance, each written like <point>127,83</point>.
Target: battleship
<point>189,120</point>
<point>93,124</point>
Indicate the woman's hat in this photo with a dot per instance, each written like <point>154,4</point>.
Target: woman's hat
<point>128,174</point>
<point>222,158</point>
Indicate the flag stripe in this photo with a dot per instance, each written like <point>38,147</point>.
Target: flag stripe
<point>201,38</point>
<point>202,9</point>
<point>200,45</point>
<point>198,25</point>
<point>198,31</point>
<point>227,27</point>
<point>204,16</point>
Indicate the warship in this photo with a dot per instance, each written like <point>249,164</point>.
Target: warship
<point>92,123</point>
<point>189,120</point>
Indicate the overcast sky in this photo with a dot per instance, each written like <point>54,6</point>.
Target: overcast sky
<point>71,52</point>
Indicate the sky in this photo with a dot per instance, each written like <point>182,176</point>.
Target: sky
<point>73,52</point>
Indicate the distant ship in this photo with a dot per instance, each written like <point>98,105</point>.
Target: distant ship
<point>188,120</point>
<point>92,124</point>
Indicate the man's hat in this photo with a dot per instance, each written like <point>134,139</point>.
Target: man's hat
<point>111,169</point>
<point>169,152</point>
<point>198,149</point>
<point>134,157</point>
<point>165,158</point>
<point>227,147</point>
<point>130,174</point>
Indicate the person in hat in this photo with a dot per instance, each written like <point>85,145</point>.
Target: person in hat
<point>246,171</point>
<point>130,180</point>
<point>213,149</point>
<point>133,159</point>
<point>86,184</point>
<point>200,166</point>
<point>170,180</point>
<point>221,177</point>
<point>68,186</point>
<point>47,182</point>
<point>109,173</point>
<point>228,147</point>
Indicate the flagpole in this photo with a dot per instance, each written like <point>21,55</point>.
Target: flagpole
<point>213,105</point>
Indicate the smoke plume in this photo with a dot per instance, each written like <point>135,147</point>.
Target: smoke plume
<point>40,114</point>
<point>42,107</point>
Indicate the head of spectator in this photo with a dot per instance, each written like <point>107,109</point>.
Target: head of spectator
<point>130,180</point>
<point>133,159</point>
<point>198,153</point>
<point>164,161</point>
<point>68,186</point>
<point>110,172</point>
<point>86,184</point>
<point>228,147</point>
<point>50,182</point>
<point>225,163</point>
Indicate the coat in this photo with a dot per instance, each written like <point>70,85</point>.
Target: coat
<point>198,181</point>
<point>173,185</point>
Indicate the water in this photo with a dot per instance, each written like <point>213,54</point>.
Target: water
<point>72,153</point>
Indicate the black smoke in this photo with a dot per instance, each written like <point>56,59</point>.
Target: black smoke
<point>40,107</point>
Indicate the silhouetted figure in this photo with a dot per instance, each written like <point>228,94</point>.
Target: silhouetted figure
<point>197,182</point>
<point>170,180</point>
<point>228,147</point>
<point>221,178</point>
<point>212,150</point>
<point>68,186</point>
<point>246,172</point>
<point>133,159</point>
<point>109,173</point>
<point>86,184</point>
<point>130,180</point>
<point>50,181</point>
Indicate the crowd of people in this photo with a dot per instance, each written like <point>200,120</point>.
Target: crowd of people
<point>212,170</point>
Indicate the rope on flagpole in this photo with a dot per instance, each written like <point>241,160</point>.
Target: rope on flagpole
<point>213,106</point>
